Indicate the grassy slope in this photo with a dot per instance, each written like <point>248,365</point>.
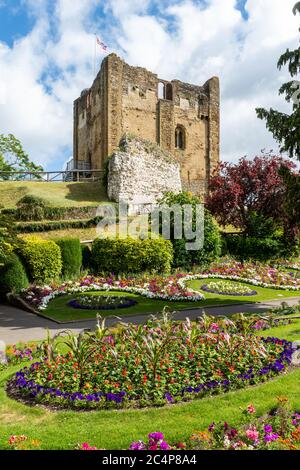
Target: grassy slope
<point>59,310</point>
<point>56,194</point>
<point>116,429</point>
<point>82,233</point>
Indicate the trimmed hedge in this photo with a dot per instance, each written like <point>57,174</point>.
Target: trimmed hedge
<point>30,208</point>
<point>13,276</point>
<point>51,226</point>
<point>71,255</point>
<point>55,213</point>
<point>42,259</point>
<point>128,255</point>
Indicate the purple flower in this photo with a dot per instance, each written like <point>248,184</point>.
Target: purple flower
<point>169,397</point>
<point>268,428</point>
<point>156,436</point>
<point>164,445</point>
<point>211,427</point>
<point>271,437</point>
<point>140,445</point>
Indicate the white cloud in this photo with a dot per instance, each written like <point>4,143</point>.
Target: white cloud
<point>184,39</point>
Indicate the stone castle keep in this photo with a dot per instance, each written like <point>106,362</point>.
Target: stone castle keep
<point>181,118</point>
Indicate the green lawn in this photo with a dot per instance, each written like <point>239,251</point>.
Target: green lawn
<point>263,294</point>
<point>116,429</point>
<point>58,308</point>
<point>56,194</point>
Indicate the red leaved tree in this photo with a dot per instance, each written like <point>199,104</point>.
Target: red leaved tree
<point>239,190</point>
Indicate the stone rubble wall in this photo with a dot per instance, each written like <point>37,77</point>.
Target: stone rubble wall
<point>140,173</point>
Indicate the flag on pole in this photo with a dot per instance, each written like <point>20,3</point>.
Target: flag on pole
<point>101,44</point>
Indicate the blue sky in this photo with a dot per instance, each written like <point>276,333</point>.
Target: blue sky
<point>46,59</point>
<point>15,21</point>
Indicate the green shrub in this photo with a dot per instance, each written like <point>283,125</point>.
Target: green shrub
<point>13,276</point>
<point>55,213</point>
<point>261,249</point>
<point>42,259</point>
<point>71,256</point>
<point>118,255</point>
<point>30,208</point>
<point>184,258</point>
<point>155,255</point>
<point>212,242</point>
<point>86,256</point>
<point>59,225</point>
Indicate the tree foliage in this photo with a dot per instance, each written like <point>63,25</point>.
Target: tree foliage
<point>286,127</point>
<point>240,190</point>
<point>13,157</point>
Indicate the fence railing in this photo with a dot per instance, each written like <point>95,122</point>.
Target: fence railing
<point>52,176</point>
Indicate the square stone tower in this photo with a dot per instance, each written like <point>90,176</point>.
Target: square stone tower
<point>182,118</point>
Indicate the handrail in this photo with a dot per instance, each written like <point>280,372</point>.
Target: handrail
<point>65,175</point>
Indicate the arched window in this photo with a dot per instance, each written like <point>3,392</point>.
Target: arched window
<point>161,91</point>
<point>169,91</point>
<point>180,138</point>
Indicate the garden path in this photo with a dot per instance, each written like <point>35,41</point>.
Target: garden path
<point>19,326</point>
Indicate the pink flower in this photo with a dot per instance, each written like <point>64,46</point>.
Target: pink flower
<point>251,410</point>
<point>214,327</point>
<point>252,433</point>
<point>86,446</point>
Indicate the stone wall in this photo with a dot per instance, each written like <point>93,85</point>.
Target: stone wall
<point>125,99</point>
<point>140,173</point>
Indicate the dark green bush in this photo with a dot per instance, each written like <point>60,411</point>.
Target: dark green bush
<point>212,242</point>
<point>59,225</point>
<point>118,255</point>
<point>30,208</point>
<point>13,276</point>
<point>184,258</point>
<point>71,256</point>
<point>86,257</point>
<point>42,259</point>
<point>261,249</point>
<point>56,213</point>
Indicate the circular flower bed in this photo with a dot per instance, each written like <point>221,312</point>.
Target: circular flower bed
<point>171,288</point>
<point>228,288</point>
<point>154,364</point>
<point>101,302</point>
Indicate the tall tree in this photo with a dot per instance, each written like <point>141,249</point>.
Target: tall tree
<point>13,157</point>
<point>250,188</point>
<point>286,127</point>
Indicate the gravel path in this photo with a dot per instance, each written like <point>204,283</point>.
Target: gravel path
<point>19,326</point>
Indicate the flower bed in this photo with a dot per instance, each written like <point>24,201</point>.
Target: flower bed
<point>102,303</point>
<point>252,273</point>
<point>160,288</point>
<point>277,431</point>
<point>158,363</point>
<point>171,288</point>
<point>228,288</point>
